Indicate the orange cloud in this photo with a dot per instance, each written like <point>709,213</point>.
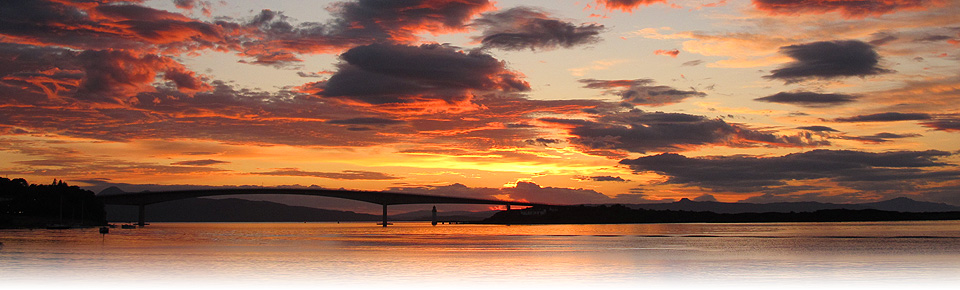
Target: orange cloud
<point>672,53</point>
<point>626,5</point>
<point>101,76</point>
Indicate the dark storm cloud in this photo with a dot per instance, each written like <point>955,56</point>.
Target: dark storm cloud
<point>30,74</point>
<point>639,131</point>
<point>886,117</point>
<point>828,60</point>
<point>808,99</point>
<point>384,73</point>
<point>818,129</point>
<point>128,94</point>
<point>740,173</point>
<point>20,58</point>
<point>528,28</point>
<point>357,23</point>
<point>116,25</point>
<point>641,92</point>
<point>346,174</point>
<point>849,8</point>
<point>269,38</point>
<point>204,162</point>
<point>35,82</point>
<point>880,137</point>
<point>949,123</point>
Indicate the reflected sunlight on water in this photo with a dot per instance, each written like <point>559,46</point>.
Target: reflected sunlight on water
<point>248,255</point>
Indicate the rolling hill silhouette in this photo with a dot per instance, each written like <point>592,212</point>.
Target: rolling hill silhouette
<point>901,204</point>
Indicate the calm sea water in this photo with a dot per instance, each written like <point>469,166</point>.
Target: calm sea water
<point>884,255</point>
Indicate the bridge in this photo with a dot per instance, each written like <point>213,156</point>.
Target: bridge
<point>142,199</point>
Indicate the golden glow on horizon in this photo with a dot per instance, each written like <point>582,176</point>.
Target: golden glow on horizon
<point>220,100</point>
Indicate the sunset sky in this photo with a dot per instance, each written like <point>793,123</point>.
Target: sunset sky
<point>607,101</point>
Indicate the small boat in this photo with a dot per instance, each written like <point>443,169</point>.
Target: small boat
<point>128,226</point>
<point>104,230</point>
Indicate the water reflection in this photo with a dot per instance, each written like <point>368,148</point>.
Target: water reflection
<point>358,254</point>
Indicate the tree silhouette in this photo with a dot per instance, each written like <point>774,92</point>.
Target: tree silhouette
<point>31,205</point>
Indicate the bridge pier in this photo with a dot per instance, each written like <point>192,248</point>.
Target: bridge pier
<point>433,221</point>
<point>508,209</point>
<point>384,215</point>
<point>141,216</point>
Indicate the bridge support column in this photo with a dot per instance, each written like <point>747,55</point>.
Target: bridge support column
<point>508,209</point>
<point>384,215</point>
<point>433,221</point>
<point>141,216</point>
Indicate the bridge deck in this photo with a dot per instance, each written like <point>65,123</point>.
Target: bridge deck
<point>142,199</point>
<point>377,197</point>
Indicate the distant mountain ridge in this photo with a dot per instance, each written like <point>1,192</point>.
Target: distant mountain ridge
<point>232,210</point>
<point>242,210</point>
<point>901,204</point>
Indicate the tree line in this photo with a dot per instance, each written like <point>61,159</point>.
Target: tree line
<point>25,205</point>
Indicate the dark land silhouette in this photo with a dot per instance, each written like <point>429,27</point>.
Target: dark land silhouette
<point>242,210</point>
<point>232,210</point>
<point>618,214</point>
<point>901,204</point>
<point>24,205</point>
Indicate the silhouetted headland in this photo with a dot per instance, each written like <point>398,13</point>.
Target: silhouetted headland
<point>620,214</point>
<point>58,205</point>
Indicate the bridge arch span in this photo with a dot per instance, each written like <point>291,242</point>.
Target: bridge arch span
<point>142,199</point>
